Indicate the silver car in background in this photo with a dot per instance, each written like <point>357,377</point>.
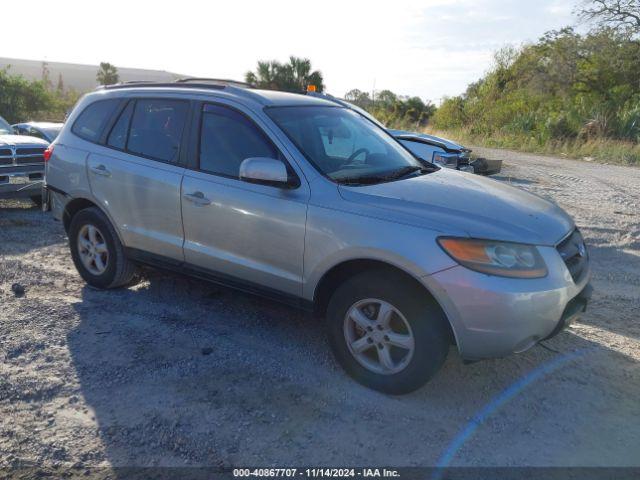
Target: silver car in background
<point>47,131</point>
<point>305,201</point>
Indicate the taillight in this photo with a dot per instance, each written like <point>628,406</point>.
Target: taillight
<point>47,153</point>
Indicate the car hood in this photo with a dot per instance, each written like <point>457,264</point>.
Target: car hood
<point>21,140</point>
<point>438,141</point>
<point>456,203</point>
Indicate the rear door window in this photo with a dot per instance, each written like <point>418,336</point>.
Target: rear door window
<point>94,118</point>
<point>156,128</point>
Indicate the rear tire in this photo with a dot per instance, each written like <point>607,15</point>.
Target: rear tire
<point>417,323</point>
<point>102,263</point>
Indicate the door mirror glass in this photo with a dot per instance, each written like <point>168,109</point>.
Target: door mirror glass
<point>264,170</point>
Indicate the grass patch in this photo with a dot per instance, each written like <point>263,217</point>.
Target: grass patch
<point>602,150</point>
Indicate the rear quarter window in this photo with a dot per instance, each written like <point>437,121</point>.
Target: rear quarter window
<point>91,122</point>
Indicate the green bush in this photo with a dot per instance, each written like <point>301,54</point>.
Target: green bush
<point>22,100</point>
<point>566,87</point>
<point>395,111</point>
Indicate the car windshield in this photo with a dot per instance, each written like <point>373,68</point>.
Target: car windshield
<point>51,132</point>
<point>344,146</point>
<point>5,127</point>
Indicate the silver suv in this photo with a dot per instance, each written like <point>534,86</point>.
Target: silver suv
<point>305,201</point>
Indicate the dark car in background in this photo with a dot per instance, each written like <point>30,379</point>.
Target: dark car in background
<point>45,130</point>
<point>21,164</point>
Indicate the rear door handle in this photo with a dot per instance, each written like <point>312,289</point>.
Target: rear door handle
<point>101,170</point>
<point>198,198</point>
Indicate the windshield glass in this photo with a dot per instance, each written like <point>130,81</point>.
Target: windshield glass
<point>343,145</point>
<point>5,127</point>
<point>51,132</point>
<point>421,150</point>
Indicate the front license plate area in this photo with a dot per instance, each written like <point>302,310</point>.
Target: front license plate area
<point>18,179</point>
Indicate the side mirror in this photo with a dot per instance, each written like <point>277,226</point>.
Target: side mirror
<point>266,171</point>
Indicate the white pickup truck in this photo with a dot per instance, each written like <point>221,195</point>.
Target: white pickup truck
<point>21,164</point>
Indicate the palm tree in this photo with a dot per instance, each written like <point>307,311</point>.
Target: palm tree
<point>107,74</point>
<point>294,76</point>
<point>266,75</point>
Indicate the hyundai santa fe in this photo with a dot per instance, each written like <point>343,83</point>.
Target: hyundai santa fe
<point>305,201</point>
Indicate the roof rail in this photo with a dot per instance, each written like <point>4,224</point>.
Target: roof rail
<point>151,84</point>
<point>223,81</point>
<point>191,82</point>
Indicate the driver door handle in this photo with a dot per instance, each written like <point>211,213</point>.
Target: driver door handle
<point>198,198</point>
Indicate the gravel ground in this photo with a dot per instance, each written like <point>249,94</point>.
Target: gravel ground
<point>175,372</point>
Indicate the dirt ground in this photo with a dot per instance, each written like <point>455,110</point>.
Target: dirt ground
<point>177,372</point>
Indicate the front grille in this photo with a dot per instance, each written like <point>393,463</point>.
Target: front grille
<point>574,253</point>
<point>6,157</point>
<point>23,156</point>
<point>29,159</point>
<point>30,151</point>
<point>29,155</point>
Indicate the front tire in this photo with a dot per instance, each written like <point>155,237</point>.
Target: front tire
<point>97,252</point>
<point>387,332</point>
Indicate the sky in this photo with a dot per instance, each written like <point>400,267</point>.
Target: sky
<point>428,48</point>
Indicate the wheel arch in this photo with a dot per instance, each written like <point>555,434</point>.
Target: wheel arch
<point>81,203</point>
<point>342,271</point>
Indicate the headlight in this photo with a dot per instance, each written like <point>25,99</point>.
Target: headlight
<point>449,160</point>
<point>495,258</point>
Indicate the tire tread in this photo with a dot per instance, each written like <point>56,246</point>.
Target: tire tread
<point>124,269</point>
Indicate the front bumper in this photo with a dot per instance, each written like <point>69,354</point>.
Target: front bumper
<point>21,183</point>
<point>486,166</point>
<point>495,316</point>
<point>574,309</point>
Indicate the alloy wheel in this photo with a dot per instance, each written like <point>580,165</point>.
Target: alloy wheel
<point>378,336</point>
<point>93,249</point>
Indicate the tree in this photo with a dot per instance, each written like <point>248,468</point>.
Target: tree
<point>564,87</point>
<point>393,110</point>
<point>60,86</point>
<point>46,75</point>
<point>294,76</point>
<point>21,99</point>
<point>358,97</point>
<point>265,76</point>
<point>107,74</point>
<point>300,75</point>
<point>619,15</point>
<point>386,97</point>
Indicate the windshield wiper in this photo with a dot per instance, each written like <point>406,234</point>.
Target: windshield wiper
<point>404,171</point>
<point>393,175</point>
